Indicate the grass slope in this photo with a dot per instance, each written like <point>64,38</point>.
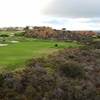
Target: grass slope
<point>17,54</point>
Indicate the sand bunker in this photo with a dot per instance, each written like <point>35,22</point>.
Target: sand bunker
<point>14,41</point>
<point>1,45</point>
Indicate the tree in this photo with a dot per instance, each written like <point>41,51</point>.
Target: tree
<point>63,29</point>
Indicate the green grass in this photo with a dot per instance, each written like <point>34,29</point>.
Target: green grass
<point>13,55</point>
<point>10,32</point>
<point>98,39</point>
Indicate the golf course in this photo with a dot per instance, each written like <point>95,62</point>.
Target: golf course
<point>15,51</point>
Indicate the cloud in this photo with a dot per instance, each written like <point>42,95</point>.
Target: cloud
<point>74,14</point>
<point>72,23</point>
<point>74,8</point>
<point>21,12</point>
<point>94,20</point>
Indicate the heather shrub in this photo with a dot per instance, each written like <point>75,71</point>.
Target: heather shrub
<point>1,80</point>
<point>72,69</point>
<point>95,44</point>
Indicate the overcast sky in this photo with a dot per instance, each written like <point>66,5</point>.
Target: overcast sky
<point>71,14</point>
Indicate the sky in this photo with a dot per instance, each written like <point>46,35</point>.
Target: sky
<point>70,14</point>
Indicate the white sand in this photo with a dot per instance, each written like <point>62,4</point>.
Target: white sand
<point>14,41</point>
<point>1,45</point>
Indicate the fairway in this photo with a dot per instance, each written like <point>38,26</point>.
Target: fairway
<point>18,53</point>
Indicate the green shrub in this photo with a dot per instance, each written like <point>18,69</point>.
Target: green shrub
<point>19,34</point>
<point>4,35</point>
<point>1,79</point>
<point>71,69</point>
<point>96,44</point>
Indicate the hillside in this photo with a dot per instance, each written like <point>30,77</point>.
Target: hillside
<point>71,73</point>
<point>54,66</point>
<point>50,33</point>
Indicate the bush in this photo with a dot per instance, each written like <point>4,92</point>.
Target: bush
<point>1,80</point>
<point>72,69</point>
<point>98,36</point>
<point>95,44</point>
<point>4,35</point>
<point>19,34</point>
